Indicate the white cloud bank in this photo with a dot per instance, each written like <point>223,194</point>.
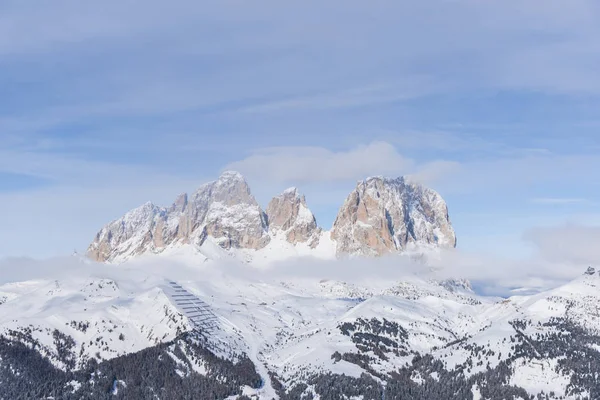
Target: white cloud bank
<point>318,164</point>
<point>563,253</point>
<point>570,244</point>
<point>481,171</point>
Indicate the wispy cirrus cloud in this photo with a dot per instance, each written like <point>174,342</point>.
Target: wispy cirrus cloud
<point>375,94</point>
<point>558,200</point>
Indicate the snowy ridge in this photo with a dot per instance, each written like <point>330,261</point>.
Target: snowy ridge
<point>295,328</point>
<point>103,320</point>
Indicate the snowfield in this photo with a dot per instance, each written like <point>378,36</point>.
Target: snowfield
<point>291,324</point>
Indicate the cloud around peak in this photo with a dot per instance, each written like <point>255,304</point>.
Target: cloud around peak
<point>319,164</point>
<point>568,243</point>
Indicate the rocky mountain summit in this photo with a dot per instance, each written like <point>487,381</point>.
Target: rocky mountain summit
<point>289,214</point>
<point>223,210</point>
<point>380,216</point>
<point>385,215</point>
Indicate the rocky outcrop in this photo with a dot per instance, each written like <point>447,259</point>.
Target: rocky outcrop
<point>390,215</point>
<point>133,233</point>
<point>289,215</point>
<point>224,210</point>
<point>380,216</point>
<point>233,216</point>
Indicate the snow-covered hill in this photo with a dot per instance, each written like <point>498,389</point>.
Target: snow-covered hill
<point>291,336</point>
<point>223,219</point>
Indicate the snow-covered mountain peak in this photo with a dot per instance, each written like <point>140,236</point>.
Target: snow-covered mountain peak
<point>231,178</point>
<point>384,179</point>
<point>230,188</point>
<point>228,176</point>
<point>143,212</point>
<point>292,191</point>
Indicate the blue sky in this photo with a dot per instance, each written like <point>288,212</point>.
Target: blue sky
<point>110,104</point>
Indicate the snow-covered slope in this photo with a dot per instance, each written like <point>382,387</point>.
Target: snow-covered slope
<point>104,319</point>
<point>380,216</point>
<point>302,333</point>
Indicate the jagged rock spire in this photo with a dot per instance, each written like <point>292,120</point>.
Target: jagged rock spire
<point>380,216</point>
<point>289,214</point>
<point>224,210</point>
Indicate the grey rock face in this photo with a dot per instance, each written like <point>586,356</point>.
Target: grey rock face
<point>388,215</point>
